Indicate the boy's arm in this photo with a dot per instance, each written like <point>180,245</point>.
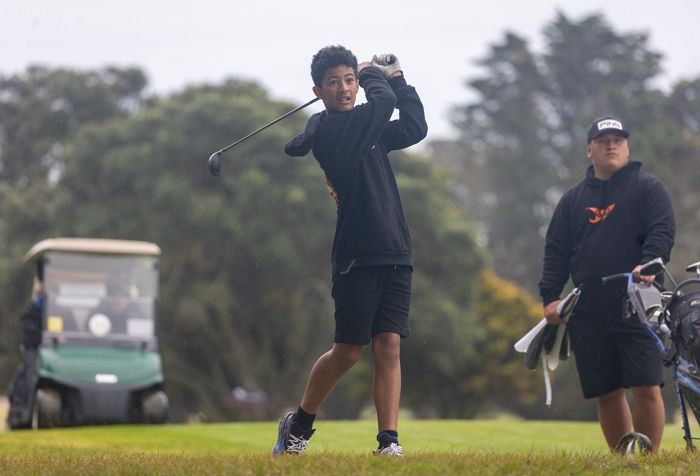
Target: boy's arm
<point>411,126</point>
<point>369,120</point>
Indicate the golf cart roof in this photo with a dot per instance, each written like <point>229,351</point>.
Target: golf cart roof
<point>92,245</point>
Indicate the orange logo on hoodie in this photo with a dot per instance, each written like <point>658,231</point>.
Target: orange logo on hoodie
<point>600,214</point>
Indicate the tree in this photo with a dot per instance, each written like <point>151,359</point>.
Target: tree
<point>42,108</point>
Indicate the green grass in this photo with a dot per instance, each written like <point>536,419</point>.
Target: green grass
<point>432,446</point>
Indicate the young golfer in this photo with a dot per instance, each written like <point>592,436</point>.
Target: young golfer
<point>371,256</point>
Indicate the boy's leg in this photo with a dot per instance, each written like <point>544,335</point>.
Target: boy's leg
<point>648,413</point>
<point>390,325</point>
<point>614,416</point>
<point>387,379</point>
<point>326,372</point>
<point>295,428</point>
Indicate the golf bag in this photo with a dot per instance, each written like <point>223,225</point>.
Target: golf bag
<point>683,314</point>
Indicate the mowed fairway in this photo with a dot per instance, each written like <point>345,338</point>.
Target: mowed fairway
<point>432,447</point>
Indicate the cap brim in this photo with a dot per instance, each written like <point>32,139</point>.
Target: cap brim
<point>618,132</point>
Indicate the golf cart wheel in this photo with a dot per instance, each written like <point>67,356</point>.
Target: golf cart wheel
<point>47,409</point>
<point>154,407</point>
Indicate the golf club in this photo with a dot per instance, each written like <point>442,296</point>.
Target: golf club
<point>215,159</point>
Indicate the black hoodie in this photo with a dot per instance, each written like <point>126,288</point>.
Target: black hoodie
<point>603,227</point>
<point>352,148</point>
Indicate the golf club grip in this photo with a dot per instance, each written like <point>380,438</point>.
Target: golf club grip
<point>568,303</point>
<point>613,277</point>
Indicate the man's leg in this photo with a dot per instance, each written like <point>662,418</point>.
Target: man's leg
<point>648,413</point>
<point>22,389</point>
<point>614,416</point>
<point>326,372</point>
<point>387,379</point>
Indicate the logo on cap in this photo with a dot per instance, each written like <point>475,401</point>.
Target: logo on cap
<point>609,124</point>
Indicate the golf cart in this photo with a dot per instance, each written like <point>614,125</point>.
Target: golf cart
<point>98,359</point>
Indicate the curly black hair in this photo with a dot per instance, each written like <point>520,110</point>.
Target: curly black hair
<point>330,57</point>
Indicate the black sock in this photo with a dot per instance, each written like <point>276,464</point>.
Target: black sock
<point>303,420</point>
<point>387,437</point>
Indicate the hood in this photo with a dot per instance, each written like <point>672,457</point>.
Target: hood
<point>301,144</point>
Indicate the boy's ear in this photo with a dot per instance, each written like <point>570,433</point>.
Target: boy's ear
<point>317,91</point>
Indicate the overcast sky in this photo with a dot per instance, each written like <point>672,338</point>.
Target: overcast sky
<point>177,42</point>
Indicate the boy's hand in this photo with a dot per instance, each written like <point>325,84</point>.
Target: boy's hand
<point>363,65</point>
<point>388,63</point>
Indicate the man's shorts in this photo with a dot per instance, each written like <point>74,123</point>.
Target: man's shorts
<point>370,300</point>
<point>613,352</point>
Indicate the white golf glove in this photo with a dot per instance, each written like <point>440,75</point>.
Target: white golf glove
<point>388,63</point>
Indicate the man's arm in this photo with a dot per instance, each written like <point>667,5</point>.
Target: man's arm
<point>659,222</point>
<point>555,270</point>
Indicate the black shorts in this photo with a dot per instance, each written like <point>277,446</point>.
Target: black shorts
<point>613,352</point>
<point>370,300</point>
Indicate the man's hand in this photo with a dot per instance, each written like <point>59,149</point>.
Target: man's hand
<point>388,63</point>
<point>551,314</point>
<point>640,277</point>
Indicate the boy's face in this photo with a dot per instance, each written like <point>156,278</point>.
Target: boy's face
<point>338,90</point>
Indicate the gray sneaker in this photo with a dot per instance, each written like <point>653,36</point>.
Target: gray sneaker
<point>287,443</point>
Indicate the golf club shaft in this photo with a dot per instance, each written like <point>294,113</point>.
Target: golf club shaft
<point>270,124</point>
<point>670,277</point>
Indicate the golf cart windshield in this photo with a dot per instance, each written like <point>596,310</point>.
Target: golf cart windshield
<point>92,297</point>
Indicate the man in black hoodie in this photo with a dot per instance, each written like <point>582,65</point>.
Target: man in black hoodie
<point>371,255</point>
<point>613,221</point>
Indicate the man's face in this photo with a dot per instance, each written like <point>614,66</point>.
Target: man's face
<point>339,88</point>
<point>609,153</point>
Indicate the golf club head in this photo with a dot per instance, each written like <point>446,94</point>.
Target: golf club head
<point>215,163</point>
<point>694,268</point>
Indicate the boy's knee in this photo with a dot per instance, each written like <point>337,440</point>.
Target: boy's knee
<point>386,346</point>
<point>347,354</point>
